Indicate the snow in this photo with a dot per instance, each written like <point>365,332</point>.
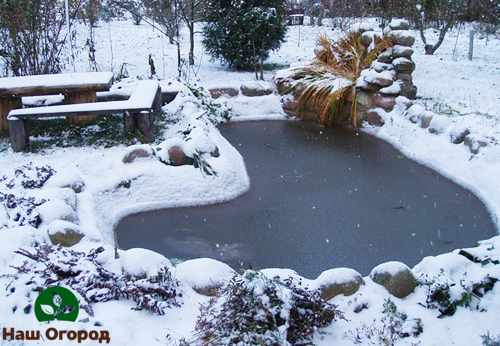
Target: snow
<point>450,86</point>
<point>64,79</point>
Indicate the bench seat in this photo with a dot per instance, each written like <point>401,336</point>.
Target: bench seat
<point>138,112</point>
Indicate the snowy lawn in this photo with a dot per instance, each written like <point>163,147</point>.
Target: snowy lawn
<point>112,187</point>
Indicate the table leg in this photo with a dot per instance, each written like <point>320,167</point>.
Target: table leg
<point>81,97</point>
<point>7,104</point>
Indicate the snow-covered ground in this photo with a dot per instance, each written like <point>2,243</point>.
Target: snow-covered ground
<point>447,82</point>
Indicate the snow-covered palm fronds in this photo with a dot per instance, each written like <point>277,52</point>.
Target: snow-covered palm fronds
<point>328,84</point>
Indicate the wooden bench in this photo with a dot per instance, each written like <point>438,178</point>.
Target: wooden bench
<point>138,112</point>
<point>76,88</point>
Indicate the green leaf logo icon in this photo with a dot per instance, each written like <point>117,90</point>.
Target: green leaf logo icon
<point>56,303</point>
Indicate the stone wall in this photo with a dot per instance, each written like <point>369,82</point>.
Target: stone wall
<point>388,77</point>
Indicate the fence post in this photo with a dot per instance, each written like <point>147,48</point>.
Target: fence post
<point>471,43</point>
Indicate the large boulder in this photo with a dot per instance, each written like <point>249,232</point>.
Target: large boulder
<point>57,210</point>
<point>67,179</point>
<point>396,277</point>
<point>204,275</point>
<point>253,89</point>
<point>338,281</point>
<point>458,133</point>
<point>438,124</point>
<point>136,152</point>
<point>475,142</point>
<point>64,233</point>
<point>217,92</point>
<point>177,156</point>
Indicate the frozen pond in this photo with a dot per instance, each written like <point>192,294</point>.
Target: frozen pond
<point>319,199</point>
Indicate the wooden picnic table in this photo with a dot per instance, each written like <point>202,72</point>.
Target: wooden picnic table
<point>76,88</point>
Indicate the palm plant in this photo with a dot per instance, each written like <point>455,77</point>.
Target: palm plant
<point>329,82</point>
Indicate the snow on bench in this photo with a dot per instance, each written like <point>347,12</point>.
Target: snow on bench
<point>138,112</point>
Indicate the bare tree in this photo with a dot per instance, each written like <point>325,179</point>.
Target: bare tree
<point>191,12</point>
<point>442,15</point>
<point>32,36</point>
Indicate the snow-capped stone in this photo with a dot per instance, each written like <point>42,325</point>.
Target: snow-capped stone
<point>383,78</point>
<point>414,112</point>
<point>367,38</point>
<point>253,89</point>
<point>458,133</point>
<point>56,210</point>
<point>396,277</point>
<point>399,51</point>
<point>142,262</point>
<point>176,156</point>
<point>362,27</point>
<point>475,142</point>
<point>403,65</point>
<point>393,89</point>
<point>439,124</point>
<point>424,120</point>
<point>64,233</point>
<point>408,90</point>
<point>403,38</point>
<point>375,118</point>
<point>217,92</point>
<point>380,66</point>
<point>137,151</point>
<point>204,275</point>
<point>386,56</point>
<point>338,281</point>
<point>399,24</point>
<point>67,178</point>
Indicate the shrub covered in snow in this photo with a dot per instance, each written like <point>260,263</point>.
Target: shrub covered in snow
<point>255,310</point>
<point>51,265</point>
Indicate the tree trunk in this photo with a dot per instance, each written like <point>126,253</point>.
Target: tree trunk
<point>191,42</point>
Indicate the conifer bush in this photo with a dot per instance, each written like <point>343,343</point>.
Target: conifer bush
<point>243,33</point>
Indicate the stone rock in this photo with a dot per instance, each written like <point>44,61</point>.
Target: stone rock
<point>414,112</point>
<point>408,90</point>
<point>458,133</point>
<point>403,65</point>
<point>338,281</point>
<point>396,277</point>
<point>371,87</point>
<point>362,27</point>
<point>218,92</point>
<point>367,38</point>
<point>364,101</point>
<point>252,89</point>
<point>289,102</point>
<point>137,151</point>
<point>402,52</point>
<point>385,102</point>
<point>380,66</point>
<point>284,88</point>
<point>64,233</point>
<point>424,120</point>
<point>142,263</point>
<point>215,152</point>
<point>439,124</point>
<point>177,156</point>
<point>475,142</point>
<point>383,78</point>
<point>68,196</point>
<point>67,179</point>
<point>298,90</point>
<point>404,38</point>
<point>386,56</point>
<point>374,118</point>
<point>204,275</point>
<point>57,210</point>
<point>318,50</point>
<point>406,77</point>
<point>393,89</point>
<point>399,24</point>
